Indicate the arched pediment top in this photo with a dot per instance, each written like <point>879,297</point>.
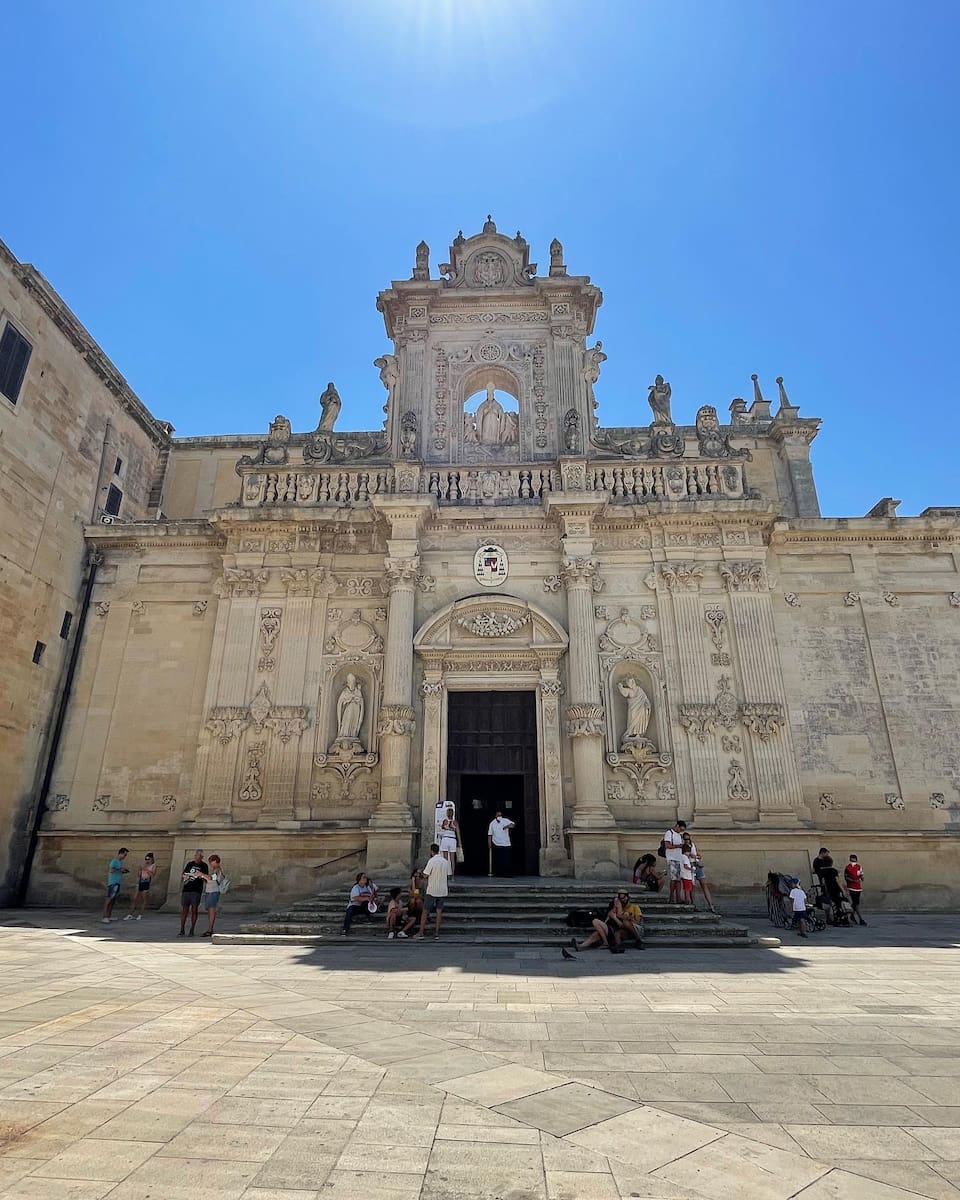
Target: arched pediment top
<point>485,620</point>
<point>488,261</point>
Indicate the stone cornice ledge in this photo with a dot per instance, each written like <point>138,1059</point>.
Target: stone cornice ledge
<point>865,529</point>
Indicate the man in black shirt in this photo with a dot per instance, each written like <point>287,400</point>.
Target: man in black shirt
<point>817,865</point>
<point>830,878</point>
<point>191,891</point>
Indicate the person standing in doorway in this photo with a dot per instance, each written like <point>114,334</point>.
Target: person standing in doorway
<point>498,842</point>
<point>673,852</point>
<point>115,873</point>
<point>853,878</point>
<point>138,901</point>
<point>437,872</point>
<point>450,840</point>
<point>191,889</point>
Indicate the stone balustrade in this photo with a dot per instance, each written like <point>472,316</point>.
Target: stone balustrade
<point>486,485</point>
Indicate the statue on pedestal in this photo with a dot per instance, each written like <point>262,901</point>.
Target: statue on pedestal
<point>330,405</point>
<point>638,713</point>
<point>349,717</point>
<point>659,400</point>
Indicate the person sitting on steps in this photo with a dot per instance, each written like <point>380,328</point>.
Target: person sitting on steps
<point>645,873</point>
<point>397,925</point>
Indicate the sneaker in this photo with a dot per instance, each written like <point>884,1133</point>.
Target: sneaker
<point>418,937</point>
<point>401,934</point>
<point>181,934</point>
<point>105,920</point>
<point>138,917</point>
<point>436,937</point>
<point>128,917</point>
<point>343,933</point>
<point>390,936</point>
<point>208,933</point>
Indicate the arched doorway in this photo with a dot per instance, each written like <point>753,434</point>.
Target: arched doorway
<point>479,648</point>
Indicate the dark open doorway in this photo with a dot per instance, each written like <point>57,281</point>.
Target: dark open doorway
<point>492,764</point>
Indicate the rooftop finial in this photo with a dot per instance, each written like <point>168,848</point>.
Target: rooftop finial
<point>488,225</point>
<point>556,258</point>
<point>757,394</point>
<point>421,268</point>
<point>784,399</point>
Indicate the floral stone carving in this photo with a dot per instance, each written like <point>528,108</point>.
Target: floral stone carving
<point>492,624</point>
<point>584,720</point>
<point>397,719</point>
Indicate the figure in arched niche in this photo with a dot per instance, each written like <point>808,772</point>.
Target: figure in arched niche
<point>491,425</point>
<point>350,709</point>
<point>638,712</point>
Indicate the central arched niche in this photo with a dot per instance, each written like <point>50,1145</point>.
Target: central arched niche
<point>490,422</point>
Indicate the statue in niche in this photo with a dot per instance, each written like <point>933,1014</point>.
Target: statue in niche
<point>572,442</point>
<point>408,435</point>
<point>330,405</point>
<point>470,435</point>
<point>638,713</point>
<point>592,360</point>
<point>659,400</point>
<point>349,717</point>
<point>389,373</point>
<point>510,429</point>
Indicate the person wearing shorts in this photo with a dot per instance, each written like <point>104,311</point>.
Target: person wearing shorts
<point>799,898</point>
<point>686,877</point>
<point>673,851</point>
<point>191,890</point>
<point>437,872</point>
<point>211,893</point>
<point>138,900</point>
<point>115,874</point>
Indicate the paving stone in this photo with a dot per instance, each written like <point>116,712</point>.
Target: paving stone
<point>645,1138</point>
<point>733,1168</point>
<point>497,1085</point>
<point>566,1108</point>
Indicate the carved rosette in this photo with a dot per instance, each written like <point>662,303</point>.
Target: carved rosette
<point>765,720</point>
<point>682,576</point>
<point>584,720</point>
<point>744,576</point>
<point>398,719</point>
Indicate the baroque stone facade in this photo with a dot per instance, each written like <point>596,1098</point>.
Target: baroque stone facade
<point>267,670</point>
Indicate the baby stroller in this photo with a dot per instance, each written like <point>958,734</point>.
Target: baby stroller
<point>779,908</point>
<point>833,910</point>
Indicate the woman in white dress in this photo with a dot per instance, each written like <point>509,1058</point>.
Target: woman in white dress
<point>449,841</point>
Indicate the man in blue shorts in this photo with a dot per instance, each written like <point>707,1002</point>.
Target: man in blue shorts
<point>115,874</point>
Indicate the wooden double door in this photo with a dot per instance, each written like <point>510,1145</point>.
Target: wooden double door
<point>491,766</point>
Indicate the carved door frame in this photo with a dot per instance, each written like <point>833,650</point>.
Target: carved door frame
<point>526,658</point>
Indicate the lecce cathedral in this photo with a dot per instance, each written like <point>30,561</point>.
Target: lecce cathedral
<point>290,649</point>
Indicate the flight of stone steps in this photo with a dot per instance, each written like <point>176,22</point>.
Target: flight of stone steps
<point>484,912</point>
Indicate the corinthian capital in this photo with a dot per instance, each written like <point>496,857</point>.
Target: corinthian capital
<point>744,576</point>
<point>401,571</point>
<point>579,570</point>
<point>682,576</point>
<point>584,720</point>
<point>398,719</point>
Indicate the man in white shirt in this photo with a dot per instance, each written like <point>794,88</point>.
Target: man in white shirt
<point>437,872</point>
<point>799,898</point>
<point>673,848</point>
<point>498,840</point>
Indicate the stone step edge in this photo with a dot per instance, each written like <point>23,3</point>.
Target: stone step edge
<point>301,939</point>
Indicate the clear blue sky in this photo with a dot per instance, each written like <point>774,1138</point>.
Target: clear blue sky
<point>220,189</point>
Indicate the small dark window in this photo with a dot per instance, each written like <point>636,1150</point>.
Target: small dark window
<point>119,467</point>
<point>38,651</point>
<point>65,624</point>
<point>14,356</point>
<point>114,500</point>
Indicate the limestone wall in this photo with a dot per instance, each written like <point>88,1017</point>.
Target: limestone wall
<point>58,448</point>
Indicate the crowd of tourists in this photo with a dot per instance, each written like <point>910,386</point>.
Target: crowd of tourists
<point>201,882</point>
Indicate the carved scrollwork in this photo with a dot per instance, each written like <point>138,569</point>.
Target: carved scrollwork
<point>737,788</point>
<point>226,723</point>
<point>401,571</point>
<point>398,719</point>
<point>580,570</point>
<point>271,620</point>
<point>550,688</point>
<point>699,720</point>
<point>682,576</point>
<point>102,607</point>
<point>764,720</point>
<point>551,583</point>
<point>894,801</point>
<point>584,720</point>
<point>431,688</point>
<point>639,760</point>
<point>744,576</point>
<point>243,581</point>
<point>199,608</point>
<point>851,598</point>
<point>492,624</point>
<point>251,786</point>
<point>300,581</point>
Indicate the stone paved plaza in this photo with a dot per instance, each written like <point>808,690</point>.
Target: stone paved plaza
<point>138,1066</point>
